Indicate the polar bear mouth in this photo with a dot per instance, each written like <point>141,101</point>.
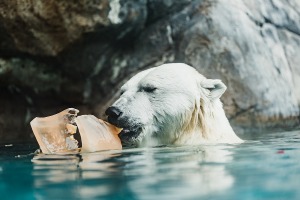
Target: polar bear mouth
<point>129,137</point>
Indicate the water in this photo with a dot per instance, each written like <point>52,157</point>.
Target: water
<point>267,167</point>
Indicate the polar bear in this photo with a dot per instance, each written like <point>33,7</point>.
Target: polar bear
<point>171,104</point>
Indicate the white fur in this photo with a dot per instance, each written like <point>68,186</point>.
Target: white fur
<point>184,109</point>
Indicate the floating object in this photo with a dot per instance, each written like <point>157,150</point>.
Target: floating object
<point>97,135</point>
<point>55,134</point>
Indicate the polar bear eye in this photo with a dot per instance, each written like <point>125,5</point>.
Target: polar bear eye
<point>149,89</point>
<point>122,92</point>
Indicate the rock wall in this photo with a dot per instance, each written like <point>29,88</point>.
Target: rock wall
<point>58,54</point>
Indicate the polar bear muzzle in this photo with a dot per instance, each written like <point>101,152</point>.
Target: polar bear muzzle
<point>130,132</point>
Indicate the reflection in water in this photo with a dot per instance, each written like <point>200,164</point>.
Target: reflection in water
<point>166,172</point>
<point>180,173</point>
<point>265,169</point>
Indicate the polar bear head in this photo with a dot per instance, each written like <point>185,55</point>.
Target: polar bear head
<point>170,104</point>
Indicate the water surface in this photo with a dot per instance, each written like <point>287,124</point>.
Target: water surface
<point>267,167</point>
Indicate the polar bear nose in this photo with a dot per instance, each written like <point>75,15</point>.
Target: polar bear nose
<point>113,114</point>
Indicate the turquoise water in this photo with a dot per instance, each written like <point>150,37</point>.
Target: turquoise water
<point>266,167</point>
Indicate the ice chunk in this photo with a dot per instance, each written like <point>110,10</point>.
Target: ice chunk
<point>96,134</point>
<point>54,133</point>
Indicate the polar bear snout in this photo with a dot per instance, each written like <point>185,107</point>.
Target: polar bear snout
<point>113,114</point>
<point>131,126</point>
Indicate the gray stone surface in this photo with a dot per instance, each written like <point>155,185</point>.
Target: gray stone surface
<point>247,46</point>
<point>58,54</point>
<point>47,27</point>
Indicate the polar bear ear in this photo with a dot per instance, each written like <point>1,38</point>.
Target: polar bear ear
<point>215,87</point>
